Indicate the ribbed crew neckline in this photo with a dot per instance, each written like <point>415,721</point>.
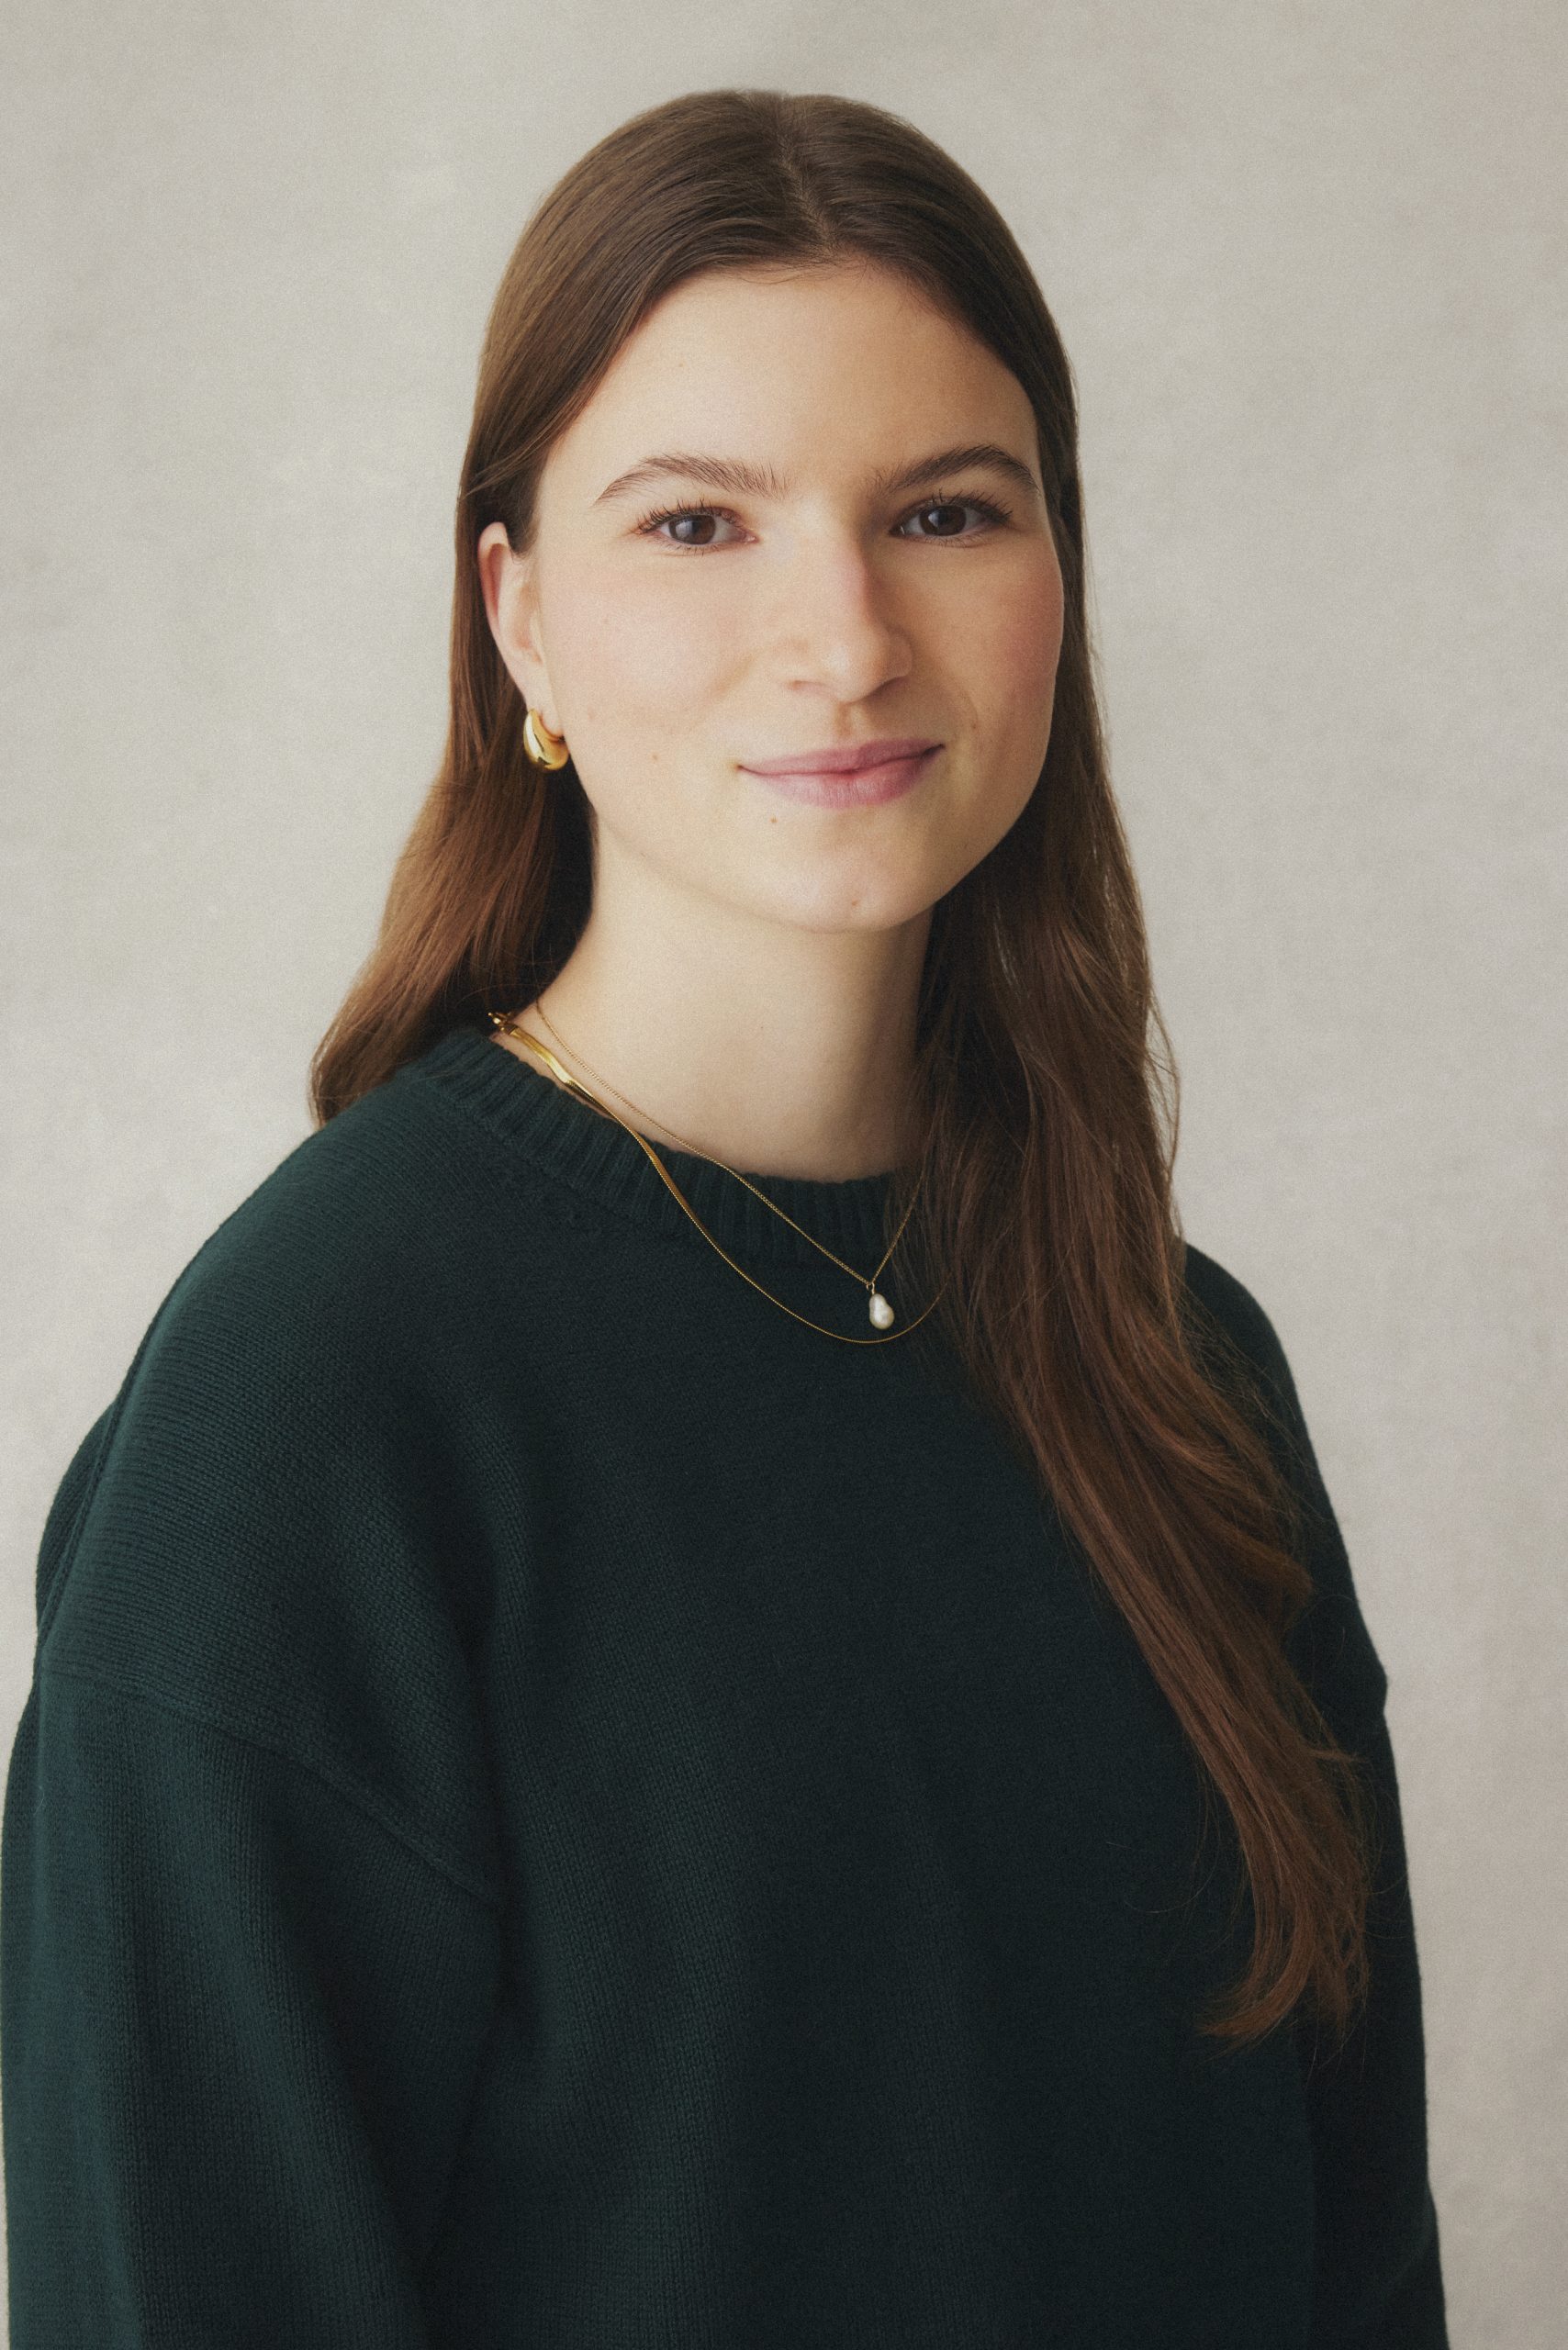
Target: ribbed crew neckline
<point>565,1139</point>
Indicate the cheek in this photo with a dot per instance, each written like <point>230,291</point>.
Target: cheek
<point>1023,645</point>
<point>641,644</point>
<point>1004,669</point>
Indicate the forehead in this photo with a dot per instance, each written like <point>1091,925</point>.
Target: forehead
<point>830,368</point>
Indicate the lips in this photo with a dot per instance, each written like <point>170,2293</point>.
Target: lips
<point>844,758</point>
<point>861,787</point>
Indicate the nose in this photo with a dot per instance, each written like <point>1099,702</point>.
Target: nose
<point>837,623</point>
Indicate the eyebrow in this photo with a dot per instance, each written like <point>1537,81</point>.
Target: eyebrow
<point>762,481</point>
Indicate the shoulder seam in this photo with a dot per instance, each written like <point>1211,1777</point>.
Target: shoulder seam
<point>358,1800</point>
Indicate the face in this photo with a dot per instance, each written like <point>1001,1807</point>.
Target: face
<point>837,589</point>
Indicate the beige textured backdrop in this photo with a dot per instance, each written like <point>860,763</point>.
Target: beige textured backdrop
<point>1309,266</point>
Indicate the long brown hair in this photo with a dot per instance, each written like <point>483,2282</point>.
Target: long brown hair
<point>1046,1080</point>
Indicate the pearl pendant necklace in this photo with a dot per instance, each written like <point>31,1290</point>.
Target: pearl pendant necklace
<point>881,1314</point>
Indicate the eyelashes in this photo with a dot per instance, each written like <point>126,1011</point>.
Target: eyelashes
<point>650,524</point>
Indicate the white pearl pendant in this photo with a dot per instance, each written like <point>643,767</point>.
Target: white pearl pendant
<point>881,1312</point>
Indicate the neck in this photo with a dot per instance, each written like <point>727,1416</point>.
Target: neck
<point>815,1083</point>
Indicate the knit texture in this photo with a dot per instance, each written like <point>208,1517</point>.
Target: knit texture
<point>559,1806</point>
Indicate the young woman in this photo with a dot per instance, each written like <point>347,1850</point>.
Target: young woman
<point>700,1688</point>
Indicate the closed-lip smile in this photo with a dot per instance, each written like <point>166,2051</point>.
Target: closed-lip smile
<point>845,758</point>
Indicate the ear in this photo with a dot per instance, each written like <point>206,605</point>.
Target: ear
<point>511,607</point>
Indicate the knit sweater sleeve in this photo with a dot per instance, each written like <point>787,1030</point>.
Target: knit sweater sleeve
<point>249,1943</point>
<point>1378,2279</point>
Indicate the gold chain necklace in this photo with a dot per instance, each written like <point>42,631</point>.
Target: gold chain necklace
<point>881,1312</point>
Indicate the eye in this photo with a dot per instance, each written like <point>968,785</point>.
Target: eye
<point>992,513</point>
<point>652,525</point>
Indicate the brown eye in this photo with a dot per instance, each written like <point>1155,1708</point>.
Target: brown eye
<point>655,525</point>
<point>982,506</point>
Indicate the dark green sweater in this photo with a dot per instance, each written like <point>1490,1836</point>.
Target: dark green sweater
<point>559,1807</point>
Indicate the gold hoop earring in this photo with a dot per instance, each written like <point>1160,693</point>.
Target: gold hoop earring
<point>546,749</point>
